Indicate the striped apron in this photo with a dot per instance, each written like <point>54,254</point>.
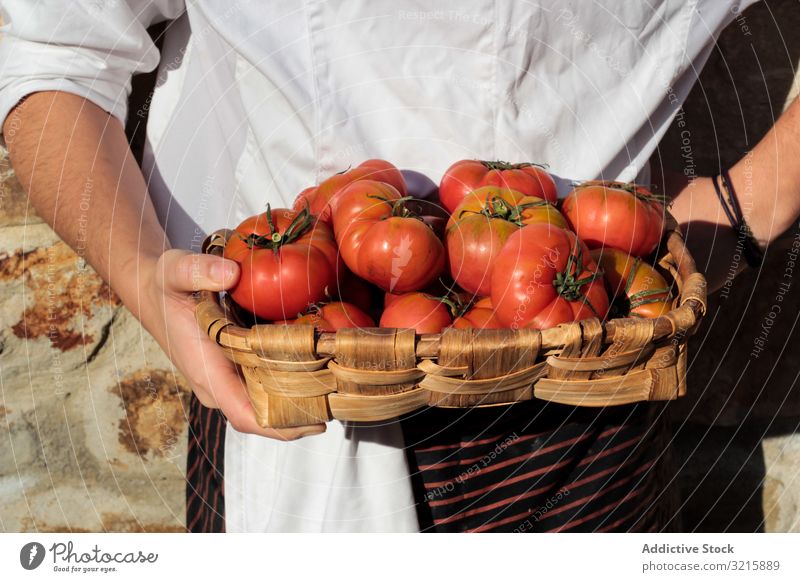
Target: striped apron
<point>531,467</point>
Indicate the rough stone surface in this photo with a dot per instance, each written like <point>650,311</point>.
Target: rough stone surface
<point>92,418</point>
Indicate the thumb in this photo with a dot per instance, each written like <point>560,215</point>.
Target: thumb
<point>185,272</point>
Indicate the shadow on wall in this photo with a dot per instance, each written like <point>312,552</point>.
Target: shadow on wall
<point>743,395</point>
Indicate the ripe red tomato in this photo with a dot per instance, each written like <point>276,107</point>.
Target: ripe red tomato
<point>544,276</point>
<point>481,225</point>
<point>381,243</point>
<point>333,316</point>
<point>419,311</point>
<point>612,214</point>
<point>467,175</point>
<point>319,197</point>
<point>287,261</point>
<point>637,289</point>
<point>480,316</point>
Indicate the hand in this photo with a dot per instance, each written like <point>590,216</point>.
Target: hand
<point>167,312</point>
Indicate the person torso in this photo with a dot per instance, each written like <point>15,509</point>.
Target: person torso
<point>258,100</point>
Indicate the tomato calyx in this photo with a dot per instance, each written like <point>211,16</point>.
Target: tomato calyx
<point>624,305</point>
<point>460,308</point>
<point>456,306</point>
<point>398,206</point>
<point>515,215</point>
<point>275,239</point>
<point>501,165</point>
<point>497,207</point>
<point>569,286</point>
<point>452,301</point>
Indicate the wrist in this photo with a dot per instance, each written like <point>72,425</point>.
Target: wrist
<point>134,280</point>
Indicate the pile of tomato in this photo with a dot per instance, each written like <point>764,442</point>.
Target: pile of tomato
<point>494,248</point>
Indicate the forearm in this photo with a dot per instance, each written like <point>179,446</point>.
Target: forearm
<point>74,161</point>
<point>767,179</point>
<point>767,185</point>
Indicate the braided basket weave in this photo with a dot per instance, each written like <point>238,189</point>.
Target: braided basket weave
<point>298,376</point>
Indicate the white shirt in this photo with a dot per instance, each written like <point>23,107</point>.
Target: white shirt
<point>256,100</point>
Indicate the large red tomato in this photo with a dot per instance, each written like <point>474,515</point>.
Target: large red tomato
<point>333,316</point>
<point>287,261</point>
<point>637,289</point>
<point>613,214</point>
<point>419,311</point>
<point>480,316</point>
<point>544,276</point>
<point>380,242</point>
<point>467,175</point>
<point>319,197</point>
<point>480,227</point>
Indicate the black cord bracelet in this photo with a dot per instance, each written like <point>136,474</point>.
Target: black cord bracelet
<point>753,254</point>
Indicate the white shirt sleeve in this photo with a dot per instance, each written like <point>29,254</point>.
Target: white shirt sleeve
<point>90,48</point>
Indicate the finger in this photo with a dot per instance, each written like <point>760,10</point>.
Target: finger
<point>228,393</point>
<point>185,272</point>
<point>294,433</point>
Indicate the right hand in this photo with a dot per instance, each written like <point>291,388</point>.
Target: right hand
<point>167,312</point>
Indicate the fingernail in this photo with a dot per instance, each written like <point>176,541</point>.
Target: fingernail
<point>221,271</point>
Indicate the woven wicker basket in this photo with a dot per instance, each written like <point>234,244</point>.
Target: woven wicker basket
<point>298,376</point>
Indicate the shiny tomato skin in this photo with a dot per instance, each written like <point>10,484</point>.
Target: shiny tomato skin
<point>459,180</point>
<point>279,283</point>
<point>308,199</point>
<point>382,171</point>
<point>483,302</point>
<point>438,288</point>
<point>364,201</point>
<point>480,316</point>
<point>472,246</point>
<point>475,236</point>
<point>531,181</point>
<point>334,316</point>
<point>523,290</point>
<point>401,255</point>
<point>465,176</point>
<point>236,249</point>
<point>418,311</point>
<point>648,295</point>
<point>609,215</point>
<point>396,253</point>
<point>320,198</point>
<point>477,200</point>
<point>281,286</point>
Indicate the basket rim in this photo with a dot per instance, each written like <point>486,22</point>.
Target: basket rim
<point>679,322</point>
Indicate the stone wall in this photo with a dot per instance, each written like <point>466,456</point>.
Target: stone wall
<point>92,423</point>
<point>92,419</point>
